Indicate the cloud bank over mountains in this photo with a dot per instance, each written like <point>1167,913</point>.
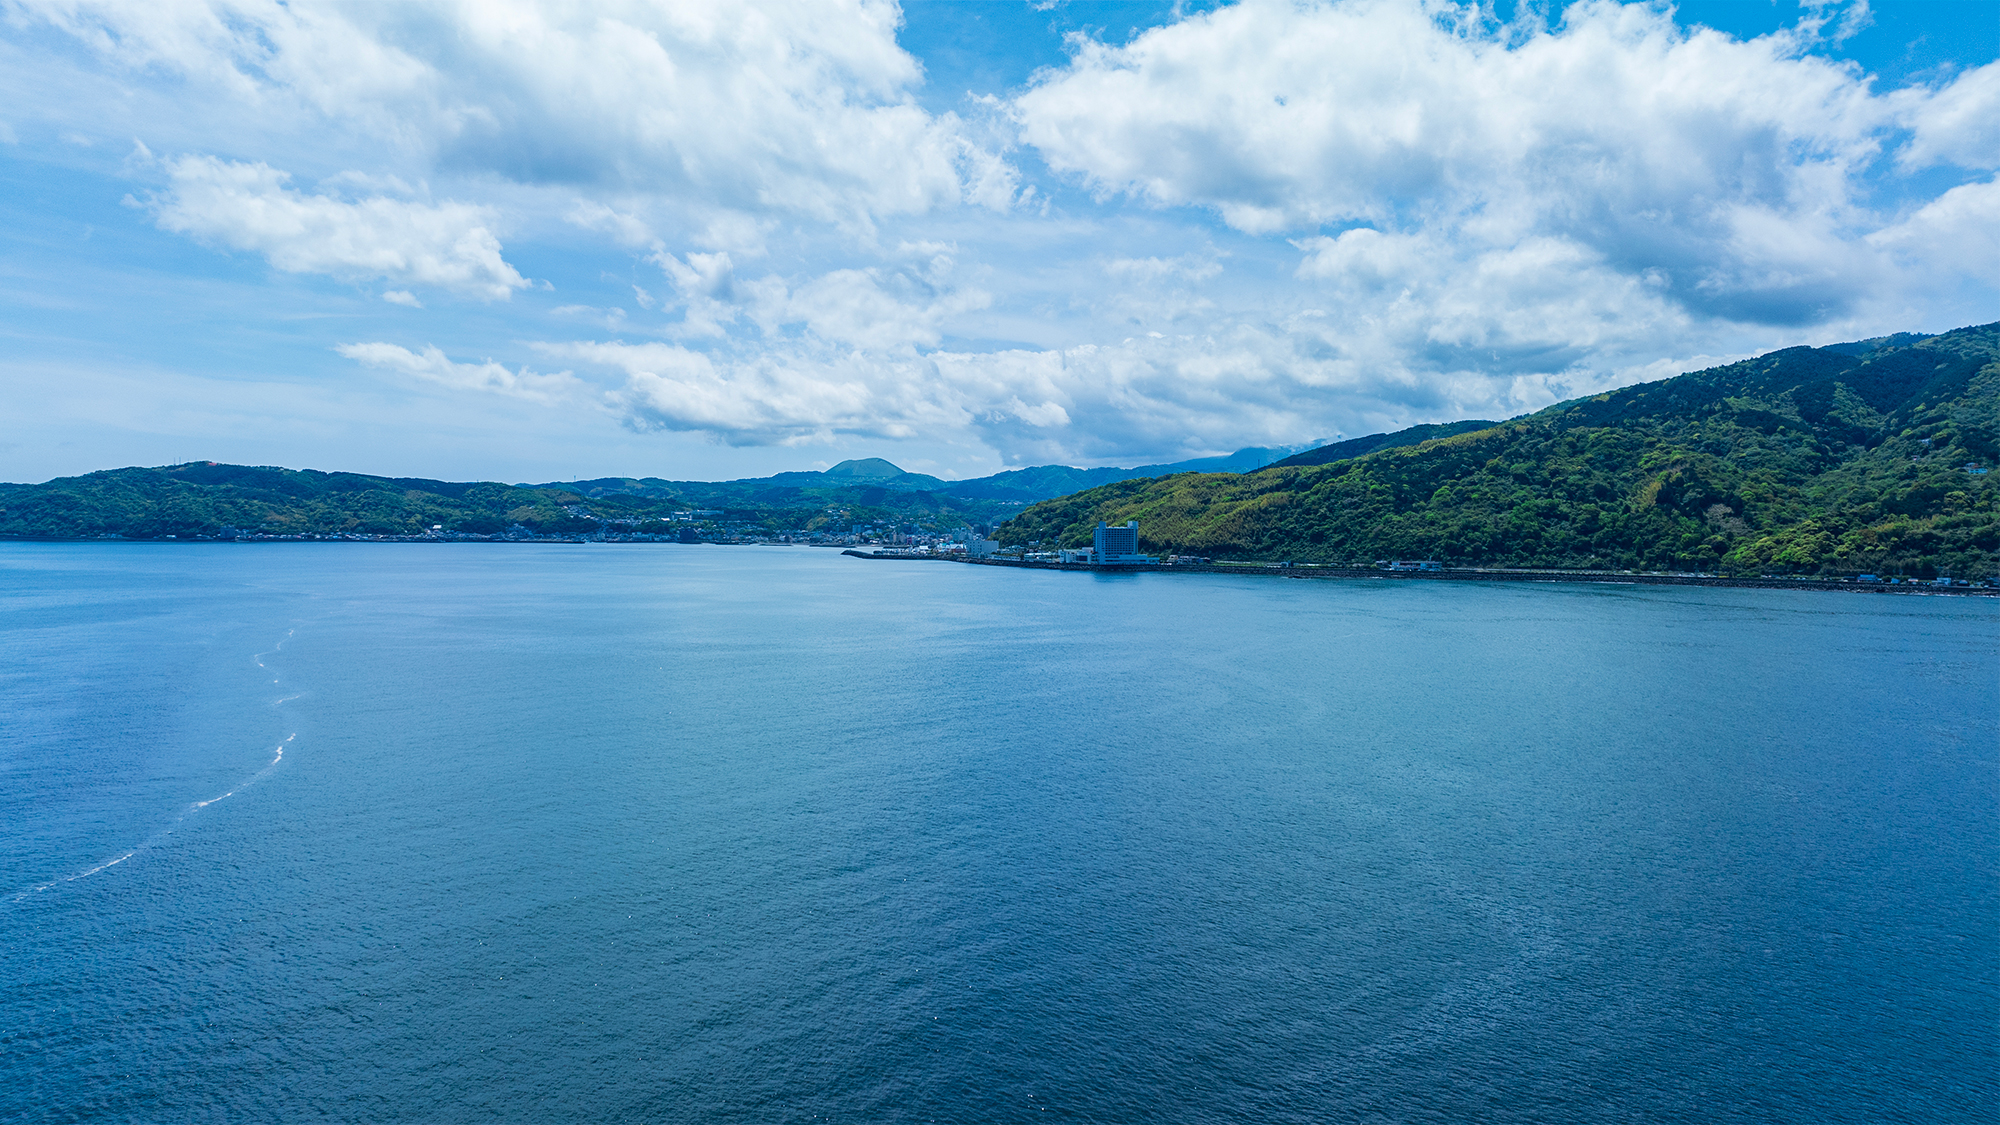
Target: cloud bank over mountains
<point>1262,224</point>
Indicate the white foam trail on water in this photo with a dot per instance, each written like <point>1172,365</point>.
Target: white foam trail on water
<point>277,756</point>
<point>80,874</point>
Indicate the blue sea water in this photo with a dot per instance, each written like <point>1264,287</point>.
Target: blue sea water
<point>699,834</point>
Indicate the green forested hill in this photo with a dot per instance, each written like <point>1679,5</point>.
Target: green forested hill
<point>1356,447</point>
<point>204,499</point>
<point>1857,457</point>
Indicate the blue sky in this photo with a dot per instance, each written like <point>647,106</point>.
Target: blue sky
<point>528,242</point>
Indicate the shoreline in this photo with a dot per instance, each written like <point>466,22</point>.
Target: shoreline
<point>1474,574</point>
<point>1247,569</point>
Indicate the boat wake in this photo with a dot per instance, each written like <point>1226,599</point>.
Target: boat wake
<point>277,757</point>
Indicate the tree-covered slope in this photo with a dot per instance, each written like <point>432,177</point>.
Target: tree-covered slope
<point>204,498</point>
<point>1356,447</point>
<point>1043,482</point>
<point>1863,457</point>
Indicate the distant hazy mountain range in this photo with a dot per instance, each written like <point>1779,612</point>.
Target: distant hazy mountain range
<point>1023,485</point>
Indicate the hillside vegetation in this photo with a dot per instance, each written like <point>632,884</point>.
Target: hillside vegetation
<point>1844,459</point>
<point>1356,447</point>
<point>204,499</point>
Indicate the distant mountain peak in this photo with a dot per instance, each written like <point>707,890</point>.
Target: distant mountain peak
<point>866,468</point>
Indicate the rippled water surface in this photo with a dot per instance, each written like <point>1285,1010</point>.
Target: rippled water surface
<point>546,833</point>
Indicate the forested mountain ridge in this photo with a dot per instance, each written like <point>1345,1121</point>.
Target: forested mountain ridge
<point>205,499</point>
<point>1356,447</point>
<point>1858,457</point>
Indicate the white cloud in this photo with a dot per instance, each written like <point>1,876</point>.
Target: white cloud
<point>612,318</point>
<point>432,365</point>
<point>1958,124</point>
<point>249,207</point>
<point>1956,234</point>
<point>1185,268</point>
<point>629,229</point>
<point>707,285</point>
<point>800,392</point>
<point>248,49</point>
<point>1151,396</point>
<point>770,399</point>
<point>796,106</point>
<point>902,304</point>
<point>1729,170</point>
<point>876,309</point>
<point>1174,396</point>
<point>1351,215</point>
<point>1287,115</point>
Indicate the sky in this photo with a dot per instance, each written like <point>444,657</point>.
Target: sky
<point>707,239</point>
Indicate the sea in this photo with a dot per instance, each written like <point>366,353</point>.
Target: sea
<point>586,832</point>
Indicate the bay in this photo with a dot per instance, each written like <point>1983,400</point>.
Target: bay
<point>548,833</point>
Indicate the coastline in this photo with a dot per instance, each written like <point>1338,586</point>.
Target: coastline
<point>1474,574</point>
<point>1244,569</point>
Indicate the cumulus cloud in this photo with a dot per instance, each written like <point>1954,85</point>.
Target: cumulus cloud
<point>1957,124</point>
<point>1270,384</point>
<point>1957,233</point>
<point>772,398</point>
<point>800,392</point>
<point>795,106</point>
<point>433,366</point>
<point>1185,396</point>
<point>250,207</point>
<point>873,309</point>
<point>903,303</point>
<point>1352,215</point>
<point>1727,170</point>
<point>1429,304</point>
<point>1285,115</point>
